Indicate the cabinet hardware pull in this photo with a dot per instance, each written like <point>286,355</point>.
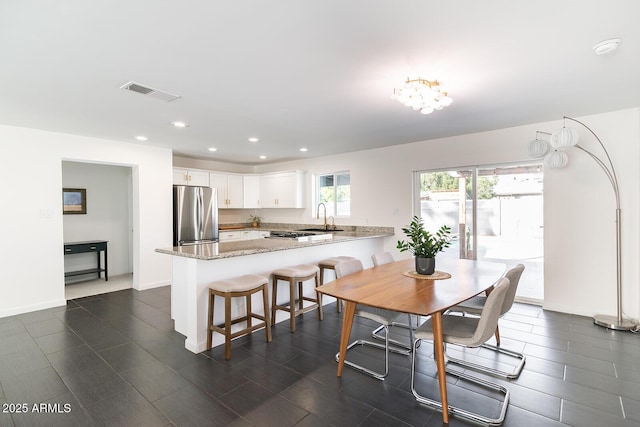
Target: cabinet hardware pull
<point>93,248</point>
<point>67,250</point>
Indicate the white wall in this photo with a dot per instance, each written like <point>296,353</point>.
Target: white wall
<point>580,265</point>
<point>186,162</point>
<point>107,216</point>
<point>31,217</point>
<point>579,207</point>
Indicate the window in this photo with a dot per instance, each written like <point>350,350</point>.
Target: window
<point>334,190</point>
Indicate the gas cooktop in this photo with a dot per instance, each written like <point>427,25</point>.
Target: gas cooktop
<point>290,234</point>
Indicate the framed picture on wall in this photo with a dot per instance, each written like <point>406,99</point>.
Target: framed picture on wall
<point>74,201</point>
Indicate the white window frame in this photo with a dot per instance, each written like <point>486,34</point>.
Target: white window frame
<point>331,206</point>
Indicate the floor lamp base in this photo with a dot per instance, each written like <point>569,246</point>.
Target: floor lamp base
<point>611,322</point>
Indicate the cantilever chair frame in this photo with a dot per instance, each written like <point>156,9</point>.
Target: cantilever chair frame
<point>513,275</point>
<point>361,311</point>
<point>463,412</point>
<point>481,382</point>
<point>380,259</point>
<point>493,371</point>
<point>387,347</point>
<point>376,334</point>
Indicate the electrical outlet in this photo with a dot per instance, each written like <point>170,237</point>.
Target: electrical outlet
<point>46,213</point>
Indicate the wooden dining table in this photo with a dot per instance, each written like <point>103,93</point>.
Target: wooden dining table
<point>392,287</point>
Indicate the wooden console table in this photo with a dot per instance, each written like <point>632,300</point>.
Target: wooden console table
<point>96,246</point>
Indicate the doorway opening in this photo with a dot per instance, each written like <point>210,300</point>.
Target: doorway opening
<point>495,213</point>
<point>108,218</point>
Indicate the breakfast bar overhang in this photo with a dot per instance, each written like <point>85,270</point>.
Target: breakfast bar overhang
<point>196,266</point>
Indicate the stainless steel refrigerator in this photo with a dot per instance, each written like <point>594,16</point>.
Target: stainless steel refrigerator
<point>195,215</point>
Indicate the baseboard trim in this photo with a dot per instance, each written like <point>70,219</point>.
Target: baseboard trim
<point>145,286</point>
<point>561,308</point>
<point>34,307</point>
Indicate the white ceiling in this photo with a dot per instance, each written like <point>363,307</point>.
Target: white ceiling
<point>314,73</point>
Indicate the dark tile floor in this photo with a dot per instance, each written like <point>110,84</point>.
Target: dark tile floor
<point>114,360</point>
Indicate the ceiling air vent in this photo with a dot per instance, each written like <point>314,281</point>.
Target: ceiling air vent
<point>149,91</point>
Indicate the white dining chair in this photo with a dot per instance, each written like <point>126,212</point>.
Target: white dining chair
<point>382,258</point>
<point>382,316</point>
<point>467,332</point>
<point>474,306</point>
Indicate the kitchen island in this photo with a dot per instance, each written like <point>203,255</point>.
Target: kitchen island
<point>196,266</point>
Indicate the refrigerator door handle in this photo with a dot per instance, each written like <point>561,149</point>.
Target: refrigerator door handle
<point>200,213</point>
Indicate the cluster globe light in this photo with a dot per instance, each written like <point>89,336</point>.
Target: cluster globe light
<point>538,148</point>
<point>564,138</point>
<point>556,159</point>
<point>423,95</point>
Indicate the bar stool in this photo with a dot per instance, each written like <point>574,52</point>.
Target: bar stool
<point>330,264</point>
<point>295,274</point>
<point>243,286</point>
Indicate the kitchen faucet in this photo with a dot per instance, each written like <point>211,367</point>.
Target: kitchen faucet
<point>325,214</point>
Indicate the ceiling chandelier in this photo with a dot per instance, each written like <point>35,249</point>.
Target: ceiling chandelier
<point>421,94</point>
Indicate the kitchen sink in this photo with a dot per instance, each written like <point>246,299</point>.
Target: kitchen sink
<point>320,229</point>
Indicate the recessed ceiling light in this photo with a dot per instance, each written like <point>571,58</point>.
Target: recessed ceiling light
<point>180,124</point>
<point>212,149</point>
<point>304,149</point>
<point>263,157</point>
<point>142,138</point>
<point>606,46</point>
<point>254,139</point>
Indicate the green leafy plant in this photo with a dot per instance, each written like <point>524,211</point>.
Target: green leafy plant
<point>255,219</point>
<point>421,242</point>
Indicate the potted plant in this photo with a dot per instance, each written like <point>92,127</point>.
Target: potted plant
<point>255,220</point>
<point>424,245</point>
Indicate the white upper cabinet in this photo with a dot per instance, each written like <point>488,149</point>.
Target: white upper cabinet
<point>251,184</point>
<point>255,191</point>
<point>235,191</point>
<point>282,190</point>
<point>229,189</point>
<point>190,177</point>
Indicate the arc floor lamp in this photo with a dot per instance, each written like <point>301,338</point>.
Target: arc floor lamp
<point>566,138</point>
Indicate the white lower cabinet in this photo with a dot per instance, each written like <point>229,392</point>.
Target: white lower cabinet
<point>257,234</point>
<point>228,236</point>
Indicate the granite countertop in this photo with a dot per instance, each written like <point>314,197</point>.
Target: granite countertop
<point>212,251</point>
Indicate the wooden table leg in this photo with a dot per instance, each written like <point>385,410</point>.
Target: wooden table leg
<point>438,348</point>
<point>347,322</point>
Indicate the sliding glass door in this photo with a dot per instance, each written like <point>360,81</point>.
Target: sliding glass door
<point>447,198</point>
<point>495,213</point>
